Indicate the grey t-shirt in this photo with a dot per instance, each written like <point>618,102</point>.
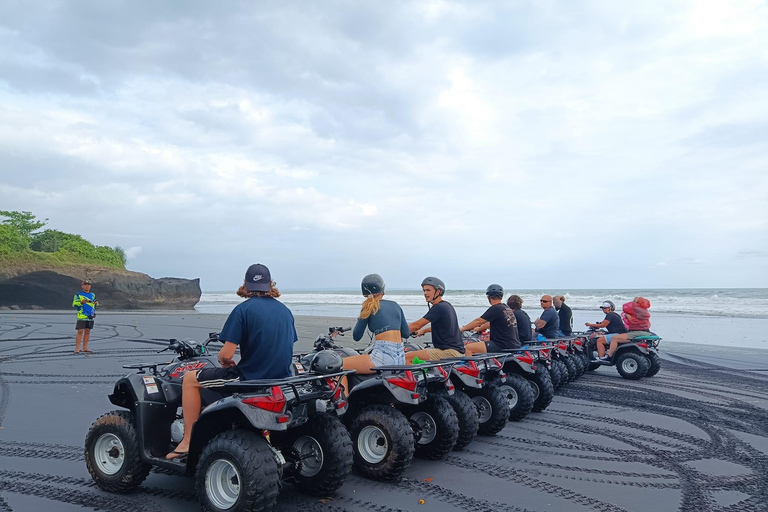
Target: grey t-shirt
<point>553,323</point>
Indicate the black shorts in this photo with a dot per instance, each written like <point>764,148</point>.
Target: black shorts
<point>84,324</point>
<point>217,377</point>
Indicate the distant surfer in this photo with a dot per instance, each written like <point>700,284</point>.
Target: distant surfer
<point>85,302</point>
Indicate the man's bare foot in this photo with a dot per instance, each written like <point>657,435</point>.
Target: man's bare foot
<point>77,351</point>
<point>87,350</point>
<point>177,454</point>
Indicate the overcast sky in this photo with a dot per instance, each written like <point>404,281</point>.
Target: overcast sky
<point>537,144</point>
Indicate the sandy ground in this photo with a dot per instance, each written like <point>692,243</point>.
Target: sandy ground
<point>693,438</point>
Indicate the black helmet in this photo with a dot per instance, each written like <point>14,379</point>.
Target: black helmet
<point>608,304</point>
<point>325,362</point>
<point>436,283</point>
<point>372,284</point>
<point>495,290</point>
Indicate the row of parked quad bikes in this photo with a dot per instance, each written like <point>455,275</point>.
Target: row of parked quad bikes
<point>307,431</point>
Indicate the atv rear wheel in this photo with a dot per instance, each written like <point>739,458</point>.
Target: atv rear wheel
<point>438,427</point>
<point>632,365</point>
<point>545,392</point>
<point>492,409</point>
<point>519,396</point>
<point>467,415</point>
<point>112,453</point>
<point>382,440</point>
<point>655,364</point>
<point>325,450</point>
<point>237,471</point>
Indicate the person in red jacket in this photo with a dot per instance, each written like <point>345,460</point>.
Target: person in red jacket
<point>637,318</point>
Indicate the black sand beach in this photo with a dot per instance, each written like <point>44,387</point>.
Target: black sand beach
<point>693,438</point>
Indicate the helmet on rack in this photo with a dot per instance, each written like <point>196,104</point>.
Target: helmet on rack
<point>326,361</point>
<point>372,284</point>
<point>494,290</point>
<point>435,283</point>
<point>608,304</point>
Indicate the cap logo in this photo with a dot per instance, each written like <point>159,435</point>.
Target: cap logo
<point>257,277</point>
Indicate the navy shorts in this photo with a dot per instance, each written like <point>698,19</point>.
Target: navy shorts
<point>491,347</point>
<point>84,324</point>
<point>217,377</point>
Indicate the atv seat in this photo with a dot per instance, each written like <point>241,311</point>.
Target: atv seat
<point>647,338</point>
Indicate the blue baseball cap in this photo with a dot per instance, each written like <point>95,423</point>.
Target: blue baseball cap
<point>257,278</point>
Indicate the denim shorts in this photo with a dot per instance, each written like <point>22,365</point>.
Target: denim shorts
<point>386,353</point>
<point>608,337</point>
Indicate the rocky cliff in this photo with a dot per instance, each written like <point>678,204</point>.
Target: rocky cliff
<point>33,287</point>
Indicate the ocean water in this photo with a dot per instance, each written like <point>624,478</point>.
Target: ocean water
<point>734,302</point>
<point>723,317</point>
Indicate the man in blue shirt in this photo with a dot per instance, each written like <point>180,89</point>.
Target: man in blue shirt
<point>548,323</point>
<point>85,303</point>
<point>263,328</point>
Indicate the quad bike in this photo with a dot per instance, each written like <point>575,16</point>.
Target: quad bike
<point>518,366</point>
<point>634,359</point>
<point>472,377</point>
<point>249,438</point>
<point>395,413</point>
<point>542,380</point>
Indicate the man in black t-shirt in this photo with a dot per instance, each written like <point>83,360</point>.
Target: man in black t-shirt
<point>444,325</point>
<point>524,330</point>
<point>612,322</point>
<point>503,324</point>
<point>548,324</point>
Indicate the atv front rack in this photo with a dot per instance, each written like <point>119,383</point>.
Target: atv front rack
<point>421,367</point>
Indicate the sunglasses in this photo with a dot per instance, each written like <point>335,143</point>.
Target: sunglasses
<point>545,301</point>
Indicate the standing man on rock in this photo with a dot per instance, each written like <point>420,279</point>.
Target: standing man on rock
<point>85,302</point>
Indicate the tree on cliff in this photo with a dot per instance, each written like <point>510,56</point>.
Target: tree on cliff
<point>20,243</point>
<point>23,222</point>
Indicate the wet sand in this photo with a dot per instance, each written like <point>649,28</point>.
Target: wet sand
<point>693,438</point>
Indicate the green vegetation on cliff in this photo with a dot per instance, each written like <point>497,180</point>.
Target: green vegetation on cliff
<point>22,242</point>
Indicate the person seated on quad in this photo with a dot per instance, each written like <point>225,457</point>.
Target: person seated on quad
<point>524,330</point>
<point>386,321</point>
<point>503,324</point>
<point>612,322</point>
<point>444,325</point>
<point>564,315</point>
<point>548,324</point>
<point>263,328</point>
<point>637,319</point>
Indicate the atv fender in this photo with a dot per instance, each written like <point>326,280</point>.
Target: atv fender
<point>131,389</point>
<point>374,390</point>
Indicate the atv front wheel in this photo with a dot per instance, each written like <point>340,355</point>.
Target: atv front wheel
<point>565,376</point>
<point>655,364</point>
<point>237,472</point>
<point>466,412</point>
<point>555,374</point>
<point>632,366</point>
<point>545,392</point>
<point>437,425</point>
<point>573,372</point>
<point>324,448</point>
<point>519,396</point>
<point>383,442</point>
<point>112,453</point>
<point>492,409</point>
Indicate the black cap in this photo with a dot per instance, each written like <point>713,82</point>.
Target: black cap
<point>87,281</point>
<point>257,278</point>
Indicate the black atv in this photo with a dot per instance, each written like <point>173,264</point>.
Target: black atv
<point>634,360</point>
<point>519,367</point>
<point>542,381</point>
<point>396,412</point>
<point>249,437</point>
<point>481,407</point>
